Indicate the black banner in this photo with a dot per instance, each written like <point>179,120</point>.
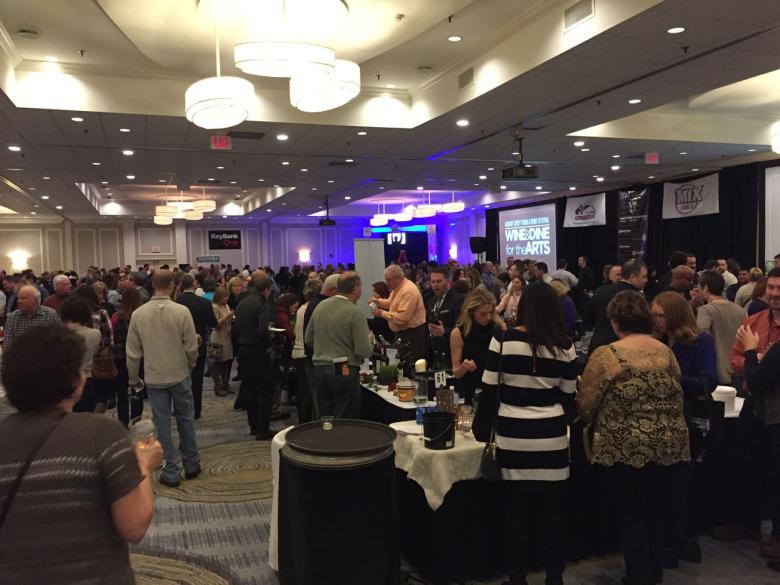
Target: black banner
<point>224,239</point>
<point>632,225</point>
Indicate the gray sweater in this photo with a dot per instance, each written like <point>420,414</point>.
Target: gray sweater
<point>338,328</point>
<point>721,319</point>
<point>163,334</point>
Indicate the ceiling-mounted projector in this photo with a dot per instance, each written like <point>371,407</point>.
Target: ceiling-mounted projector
<point>519,172</point>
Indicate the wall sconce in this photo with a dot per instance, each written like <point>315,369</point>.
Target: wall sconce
<point>19,259</point>
<point>304,255</point>
<point>454,251</point>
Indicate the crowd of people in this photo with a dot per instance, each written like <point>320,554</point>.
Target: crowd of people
<point>514,335</point>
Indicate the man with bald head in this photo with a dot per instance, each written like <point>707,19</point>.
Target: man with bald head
<point>29,314</point>
<point>682,280</point>
<point>404,311</point>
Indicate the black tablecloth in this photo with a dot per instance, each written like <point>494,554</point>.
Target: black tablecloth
<point>338,527</point>
<point>464,538</point>
<point>375,408</point>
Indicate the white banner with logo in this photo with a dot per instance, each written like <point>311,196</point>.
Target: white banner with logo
<point>696,197</point>
<point>585,211</point>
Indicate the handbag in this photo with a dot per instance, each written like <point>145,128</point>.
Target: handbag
<point>215,351</point>
<point>23,470</point>
<point>488,465</point>
<point>103,366</point>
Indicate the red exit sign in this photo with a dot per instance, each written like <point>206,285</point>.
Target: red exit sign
<point>221,143</point>
<point>652,158</point>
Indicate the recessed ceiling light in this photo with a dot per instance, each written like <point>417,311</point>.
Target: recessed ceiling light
<point>538,187</point>
<point>51,58</point>
<point>390,85</point>
<point>276,186</point>
<point>488,205</point>
<point>96,164</point>
<point>585,149</point>
<point>579,143</point>
<point>232,182</point>
<point>454,38</point>
<point>419,187</point>
<point>47,178</point>
<point>347,197</point>
<point>615,167</point>
<point>269,211</point>
<point>124,130</point>
<point>349,160</point>
<point>694,170</point>
<point>211,178</point>
<point>58,206</point>
<point>283,203</point>
<point>683,153</point>
<point>572,188</point>
<point>33,213</point>
<point>160,180</point>
<point>751,149</point>
<point>220,168</point>
<point>362,133</point>
<point>462,123</point>
<point>32,188</point>
<point>224,217</point>
<point>615,156</point>
<point>44,197</point>
<point>260,180</point>
<point>503,186</point>
<point>285,163</point>
<point>131,177</point>
<point>14,148</point>
<point>482,177</point>
<point>651,177</point>
<point>676,30</point>
<point>381,188</point>
<point>331,181</point>
<point>127,152</point>
<point>282,137</point>
<point>599,179</point>
<point>476,184</point>
<point>491,168</point>
<point>104,182</point>
<point>634,101</point>
<point>304,170</point>
<point>515,152</point>
<point>77,119</point>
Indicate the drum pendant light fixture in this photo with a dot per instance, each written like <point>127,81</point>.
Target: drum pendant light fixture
<point>218,102</point>
<point>453,206</point>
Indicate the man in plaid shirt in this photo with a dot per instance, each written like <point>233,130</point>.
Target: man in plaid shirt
<point>29,314</point>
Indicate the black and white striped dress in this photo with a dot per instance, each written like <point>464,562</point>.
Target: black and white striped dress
<point>531,430</point>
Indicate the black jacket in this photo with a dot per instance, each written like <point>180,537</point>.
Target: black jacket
<point>202,313</point>
<point>253,315</point>
<point>586,281</point>
<point>309,350</point>
<point>448,314</point>
<point>602,330</point>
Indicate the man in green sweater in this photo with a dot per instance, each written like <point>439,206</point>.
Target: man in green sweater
<point>338,332</point>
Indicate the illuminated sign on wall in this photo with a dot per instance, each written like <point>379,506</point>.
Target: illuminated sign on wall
<point>396,238</point>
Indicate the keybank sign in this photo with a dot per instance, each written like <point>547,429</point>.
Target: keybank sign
<point>224,239</point>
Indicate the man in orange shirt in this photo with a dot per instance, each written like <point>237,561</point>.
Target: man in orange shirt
<point>404,311</point>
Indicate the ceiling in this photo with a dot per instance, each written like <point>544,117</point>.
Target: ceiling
<point>712,93</point>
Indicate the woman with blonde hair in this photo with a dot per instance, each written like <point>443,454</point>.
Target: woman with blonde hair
<point>470,339</point>
<point>745,292</point>
<point>507,308</point>
<point>221,343</point>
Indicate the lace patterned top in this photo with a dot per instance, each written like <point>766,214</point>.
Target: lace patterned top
<point>636,400</point>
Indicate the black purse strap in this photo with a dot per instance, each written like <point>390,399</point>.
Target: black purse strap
<point>20,476</point>
<point>498,388</point>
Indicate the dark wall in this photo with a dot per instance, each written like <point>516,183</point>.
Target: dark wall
<point>737,231</point>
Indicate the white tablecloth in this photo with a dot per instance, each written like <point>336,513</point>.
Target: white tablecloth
<point>273,538</point>
<point>391,398</point>
<point>436,471</point>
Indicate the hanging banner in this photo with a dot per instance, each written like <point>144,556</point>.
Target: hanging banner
<point>586,211</point>
<point>224,239</point>
<point>697,197</point>
<point>632,225</point>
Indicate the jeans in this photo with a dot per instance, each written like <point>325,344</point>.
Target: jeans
<point>641,496</point>
<point>161,397</point>
<point>337,396</point>
<point>257,385</point>
<point>197,380</point>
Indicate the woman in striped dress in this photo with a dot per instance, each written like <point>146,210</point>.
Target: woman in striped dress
<point>538,382</point>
